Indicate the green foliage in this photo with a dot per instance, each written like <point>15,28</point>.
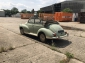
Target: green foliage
<point>7,12</point>
<point>14,10</point>
<point>2,49</point>
<point>11,48</point>
<point>53,44</point>
<point>39,11</point>
<point>69,55</point>
<point>63,61</point>
<point>24,11</point>
<point>28,12</point>
<point>67,10</point>
<point>32,11</point>
<point>53,48</point>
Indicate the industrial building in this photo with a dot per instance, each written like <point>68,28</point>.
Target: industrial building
<point>75,0</point>
<point>2,13</point>
<point>76,6</point>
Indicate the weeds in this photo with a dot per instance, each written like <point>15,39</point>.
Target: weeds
<point>53,44</point>
<point>11,48</point>
<point>69,56</point>
<point>53,48</point>
<point>63,61</point>
<point>2,49</point>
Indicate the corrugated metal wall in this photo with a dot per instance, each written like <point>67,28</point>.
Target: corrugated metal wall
<point>75,0</point>
<point>2,13</point>
<point>52,8</point>
<point>82,17</point>
<point>75,6</point>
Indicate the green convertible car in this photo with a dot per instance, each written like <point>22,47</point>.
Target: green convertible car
<point>43,29</point>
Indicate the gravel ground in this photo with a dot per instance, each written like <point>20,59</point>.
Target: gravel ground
<point>76,25</point>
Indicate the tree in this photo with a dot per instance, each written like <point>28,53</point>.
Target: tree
<point>67,10</point>
<point>14,10</point>
<point>24,11</point>
<point>7,12</point>
<point>28,12</point>
<point>39,11</point>
<point>32,11</point>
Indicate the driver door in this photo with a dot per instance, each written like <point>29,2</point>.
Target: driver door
<point>37,25</point>
<point>30,25</point>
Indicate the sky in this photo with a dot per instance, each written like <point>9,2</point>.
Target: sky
<point>26,4</point>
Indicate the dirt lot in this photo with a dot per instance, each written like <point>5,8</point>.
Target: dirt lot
<point>29,50</point>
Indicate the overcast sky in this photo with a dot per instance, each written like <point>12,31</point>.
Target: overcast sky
<point>26,4</point>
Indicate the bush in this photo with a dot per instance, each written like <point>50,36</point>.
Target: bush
<point>69,55</point>
<point>67,10</point>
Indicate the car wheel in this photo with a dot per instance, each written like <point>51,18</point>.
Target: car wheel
<point>42,37</point>
<point>22,31</point>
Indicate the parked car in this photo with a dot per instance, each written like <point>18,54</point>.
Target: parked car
<point>43,29</point>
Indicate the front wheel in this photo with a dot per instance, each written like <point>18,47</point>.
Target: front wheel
<point>42,37</point>
<point>22,31</point>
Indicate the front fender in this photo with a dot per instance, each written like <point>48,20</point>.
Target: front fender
<point>25,27</point>
<point>47,32</point>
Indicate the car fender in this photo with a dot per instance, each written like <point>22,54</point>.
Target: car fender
<point>25,27</point>
<point>46,31</point>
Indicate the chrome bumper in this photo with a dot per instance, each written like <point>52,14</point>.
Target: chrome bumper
<point>63,36</point>
<point>58,37</point>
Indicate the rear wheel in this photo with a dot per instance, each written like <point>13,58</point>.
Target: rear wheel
<point>22,31</point>
<point>42,37</point>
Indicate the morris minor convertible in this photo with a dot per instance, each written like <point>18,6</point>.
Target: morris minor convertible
<point>43,29</point>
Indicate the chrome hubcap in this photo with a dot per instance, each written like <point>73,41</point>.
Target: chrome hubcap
<point>42,37</point>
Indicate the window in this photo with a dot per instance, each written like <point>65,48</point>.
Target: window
<point>31,21</point>
<point>37,21</point>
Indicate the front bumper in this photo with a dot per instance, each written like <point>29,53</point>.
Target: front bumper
<point>58,37</point>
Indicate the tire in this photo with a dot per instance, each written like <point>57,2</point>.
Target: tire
<point>42,37</point>
<point>22,31</point>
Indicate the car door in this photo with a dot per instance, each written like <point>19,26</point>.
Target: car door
<point>37,25</point>
<point>30,25</point>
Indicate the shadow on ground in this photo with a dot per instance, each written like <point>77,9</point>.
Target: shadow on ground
<point>61,43</point>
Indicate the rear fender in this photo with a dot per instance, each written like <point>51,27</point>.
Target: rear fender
<point>47,32</point>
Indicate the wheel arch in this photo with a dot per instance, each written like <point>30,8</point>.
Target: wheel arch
<point>24,27</point>
<point>40,33</point>
<point>20,27</point>
<point>47,32</point>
